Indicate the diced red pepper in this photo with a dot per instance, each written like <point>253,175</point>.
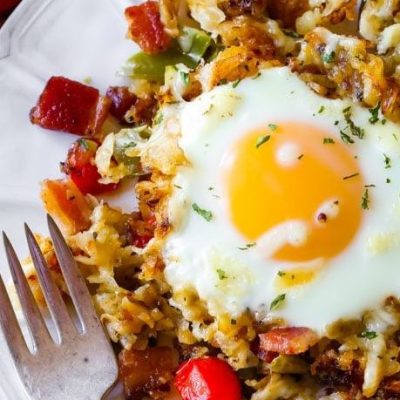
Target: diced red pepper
<point>292,340</point>
<point>121,100</point>
<point>207,378</point>
<point>146,28</point>
<point>141,241</point>
<point>82,170</point>
<point>70,106</point>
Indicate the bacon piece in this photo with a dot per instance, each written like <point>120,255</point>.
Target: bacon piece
<point>146,28</point>
<point>287,10</point>
<point>121,100</point>
<point>292,340</point>
<point>66,204</point>
<point>70,106</point>
<point>142,371</point>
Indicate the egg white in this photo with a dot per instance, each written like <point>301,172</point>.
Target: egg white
<point>231,275</point>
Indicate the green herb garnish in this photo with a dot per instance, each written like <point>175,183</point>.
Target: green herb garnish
<point>281,273</point>
<point>83,143</point>
<point>321,110</point>
<point>368,334</point>
<point>387,161</point>
<point>247,246</point>
<point>328,141</point>
<point>221,274</point>
<point>365,200</point>
<point>345,137</point>
<point>328,57</point>
<point>354,129</point>
<point>207,215</point>
<point>277,302</point>
<point>374,113</point>
<point>262,139</point>
<point>351,176</point>
<point>185,77</point>
<point>236,83</point>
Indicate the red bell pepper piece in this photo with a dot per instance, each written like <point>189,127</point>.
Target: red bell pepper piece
<point>207,378</point>
<point>82,170</point>
<point>70,106</point>
<point>146,28</point>
<point>292,340</point>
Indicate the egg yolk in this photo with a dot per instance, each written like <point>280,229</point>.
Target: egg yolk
<point>294,172</point>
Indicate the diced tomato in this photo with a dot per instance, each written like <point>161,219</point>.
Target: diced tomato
<point>64,201</point>
<point>121,100</point>
<point>6,5</point>
<point>292,340</point>
<point>70,106</point>
<point>146,28</point>
<point>207,378</point>
<point>82,170</point>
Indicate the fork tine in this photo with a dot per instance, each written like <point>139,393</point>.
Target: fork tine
<point>36,325</point>
<point>75,282</point>
<point>54,300</point>
<point>10,327</point>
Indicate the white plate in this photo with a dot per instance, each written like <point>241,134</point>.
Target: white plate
<point>76,39</point>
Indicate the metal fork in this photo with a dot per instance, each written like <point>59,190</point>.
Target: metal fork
<point>77,366</point>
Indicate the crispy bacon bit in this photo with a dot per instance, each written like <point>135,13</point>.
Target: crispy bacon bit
<point>146,28</point>
<point>288,340</point>
<point>335,369</point>
<point>287,10</point>
<point>121,100</point>
<point>143,111</point>
<point>66,204</point>
<point>70,106</point>
<point>234,8</point>
<point>142,371</point>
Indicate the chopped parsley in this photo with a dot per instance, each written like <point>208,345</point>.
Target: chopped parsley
<point>368,334</point>
<point>273,127</point>
<point>256,76</point>
<point>321,110</point>
<point>365,200</point>
<point>277,302</point>
<point>351,176</point>
<point>354,129</point>
<point>374,113</point>
<point>336,123</point>
<point>236,83</point>
<point>383,122</point>
<point>223,82</point>
<point>207,215</point>
<point>387,161</point>
<point>328,57</point>
<point>185,77</point>
<point>345,137</point>
<point>388,180</point>
<point>281,273</point>
<point>247,246</point>
<point>95,234</point>
<point>210,188</point>
<point>262,139</point>
<point>221,274</point>
<point>395,137</point>
<point>328,141</point>
<point>178,187</point>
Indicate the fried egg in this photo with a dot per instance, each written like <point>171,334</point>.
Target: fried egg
<point>288,205</point>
